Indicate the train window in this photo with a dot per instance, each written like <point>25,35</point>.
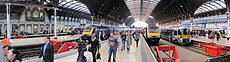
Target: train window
<point>183,32</point>
<point>168,32</point>
<point>153,30</point>
<point>175,33</point>
<point>222,32</point>
<point>87,29</point>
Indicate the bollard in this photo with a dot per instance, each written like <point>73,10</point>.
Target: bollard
<point>1,52</point>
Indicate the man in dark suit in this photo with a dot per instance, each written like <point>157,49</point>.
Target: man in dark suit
<point>47,51</point>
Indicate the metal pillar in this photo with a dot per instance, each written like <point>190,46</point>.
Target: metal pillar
<point>191,24</point>
<point>1,52</point>
<point>114,24</point>
<point>8,20</point>
<point>92,17</point>
<point>109,23</point>
<point>228,17</point>
<point>55,23</point>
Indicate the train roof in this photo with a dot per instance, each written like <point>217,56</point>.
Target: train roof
<point>176,28</point>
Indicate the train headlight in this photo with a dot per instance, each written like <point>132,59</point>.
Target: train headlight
<point>181,40</point>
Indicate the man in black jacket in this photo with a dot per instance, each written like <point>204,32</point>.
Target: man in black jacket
<point>47,52</point>
<point>94,46</point>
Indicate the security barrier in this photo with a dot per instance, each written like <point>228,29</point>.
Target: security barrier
<point>173,58</point>
<point>215,50</point>
<point>65,47</point>
<point>19,37</point>
<point>56,44</point>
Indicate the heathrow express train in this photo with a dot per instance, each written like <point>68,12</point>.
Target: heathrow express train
<point>180,36</point>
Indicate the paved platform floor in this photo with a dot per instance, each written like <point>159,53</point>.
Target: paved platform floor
<point>222,41</point>
<point>134,55</point>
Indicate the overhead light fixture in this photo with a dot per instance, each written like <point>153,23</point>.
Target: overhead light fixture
<point>68,0</point>
<point>129,16</point>
<point>151,17</point>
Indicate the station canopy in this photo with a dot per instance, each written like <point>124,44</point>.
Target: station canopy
<point>129,11</point>
<point>211,6</point>
<point>75,5</point>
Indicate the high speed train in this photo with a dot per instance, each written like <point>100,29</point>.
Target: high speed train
<point>153,35</point>
<point>92,29</point>
<point>180,36</point>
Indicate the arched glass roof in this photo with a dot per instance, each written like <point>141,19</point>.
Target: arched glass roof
<point>211,6</point>
<point>141,11</point>
<point>76,5</point>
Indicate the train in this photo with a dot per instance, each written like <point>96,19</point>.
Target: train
<point>92,29</point>
<point>203,32</point>
<point>222,33</point>
<point>153,34</point>
<point>180,35</point>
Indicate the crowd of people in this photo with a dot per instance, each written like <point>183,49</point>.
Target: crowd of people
<point>210,34</point>
<point>47,50</point>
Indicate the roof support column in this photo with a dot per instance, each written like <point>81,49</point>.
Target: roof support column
<point>8,20</point>
<point>191,19</point>
<point>228,17</point>
<point>55,23</point>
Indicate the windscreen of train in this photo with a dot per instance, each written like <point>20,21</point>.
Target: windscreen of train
<point>153,29</point>
<point>183,32</point>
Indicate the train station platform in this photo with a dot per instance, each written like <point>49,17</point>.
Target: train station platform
<point>222,41</point>
<point>38,35</point>
<point>134,55</point>
<point>39,40</point>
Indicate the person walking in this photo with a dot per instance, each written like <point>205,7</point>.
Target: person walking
<point>129,41</point>
<point>95,45</point>
<point>136,37</point>
<point>213,36</point>
<point>113,45</point>
<point>217,36</point>
<point>123,38</point>
<point>81,49</point>
<point>47,53</point>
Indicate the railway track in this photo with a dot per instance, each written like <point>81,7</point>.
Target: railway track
<point>29,51</point>
<point>195,48</point>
